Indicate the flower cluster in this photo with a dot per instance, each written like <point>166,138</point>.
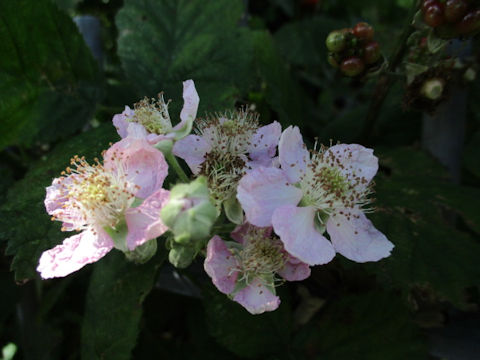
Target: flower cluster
<point>259,204</point>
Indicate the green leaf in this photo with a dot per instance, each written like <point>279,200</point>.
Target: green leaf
<point>282,91</point>
<point>303,42</point>
<point>114,306</point>
<point>416,209</point>
<point>372,326</point>
<point>49,81</point>
<point>245,334</point>
<point>24,223</point>
<point>471,155</point>
<point>162,43</point>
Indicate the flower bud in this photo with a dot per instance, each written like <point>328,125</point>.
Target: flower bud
<point>189,213</point>
<point>181,256</point>
<point>142,253</point>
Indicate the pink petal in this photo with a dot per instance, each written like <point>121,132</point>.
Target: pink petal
<point>263,144</point>
<point>295,226</point>
<point>136,131</point>
<point>293,154</point>
<point>256,298</point>
<point>144,221</point>
<point>241,230</point>
<point>144,165</point>
<point>356,160</point>
<point>74,253</point>
<point>295,270</point>
<point>262,191</point>
<point>220,264</point>
<point>192,149</point>
<point>190,102</point>
<point>120,121</point>
<point>355,237</point>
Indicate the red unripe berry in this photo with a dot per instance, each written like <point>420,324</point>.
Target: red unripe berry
<point>470,23</point>
<point>371,53</point>
<point>455,10</point>
<point>352,66</point>
<point>427,3</point>
<point>433,16</point>
<point>363,31</point>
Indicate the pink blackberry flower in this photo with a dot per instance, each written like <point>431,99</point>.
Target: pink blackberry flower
<point>226,147</point>
<point>248,268</point>
<point>150,118</point>
<point>97,201</point>
<point>328,190</point>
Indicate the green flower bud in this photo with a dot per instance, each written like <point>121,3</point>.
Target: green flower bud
<point>189,213</point>
<point>142,253</point>
<point>181,256</point>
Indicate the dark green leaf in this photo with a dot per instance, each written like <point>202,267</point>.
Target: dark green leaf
<point>114,305</point>
<point>373,326</point>
<point>242,333</point>
<point>165,42</point>
<point>49,81</point>
<point>24,222</point>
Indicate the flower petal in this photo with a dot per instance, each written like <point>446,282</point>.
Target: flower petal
<point>295,226</point>
<point>356,161</point>
<point>74,253</point>
<point>220,264</point>
<point>262,191</point>
<point>144,165</point>
<point>263,144</point>
<point>241,230</point>
<point>293,154</point>
<point>256,298</point>
<point>190,101</point>
<point>355,237</point>
<point>144,221</point>
<point>120,121</point>
<point>295,270</point>
<point>192,149</point>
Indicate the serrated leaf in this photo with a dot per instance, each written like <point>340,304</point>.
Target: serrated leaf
<point>162,43</point>
<point>372,326</point>
<point>242,333</point>
<point>48,77</point>
<point>416,210</point>
<point>282,91</point>
<point>114,305</point>
<point>24,222</point>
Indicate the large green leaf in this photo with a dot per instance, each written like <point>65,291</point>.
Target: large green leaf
<point>114,305</point>
<point>24,222</point>
<point>282,91</point>
<point>372,326</point>
<point>49,81</point>
<point>162,43</point>
<point>244,334</point>
<point>417,208</point>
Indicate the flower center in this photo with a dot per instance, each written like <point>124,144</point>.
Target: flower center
<point>261,255</point>
<point>153,115</point>
<point>223,172</point>
<point>94,195</point>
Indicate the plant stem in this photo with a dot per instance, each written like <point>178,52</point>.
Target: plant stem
<point>172,161</point>
<point>386,81</point>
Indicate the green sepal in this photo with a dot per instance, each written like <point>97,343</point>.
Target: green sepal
<point>118,235</point>
<point>184,130</point>
<point>233,210</point>
<point>434,43</point>
<point>142,253</point>
<point>165,146</point>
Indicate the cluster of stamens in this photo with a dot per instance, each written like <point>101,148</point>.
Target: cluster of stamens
<point>153,115</point>
<point>327,184</point>
<point>230,136</point>
<point>94,196</point>
<point>260,255</point>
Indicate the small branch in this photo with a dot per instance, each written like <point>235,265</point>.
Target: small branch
<point>172,161</point>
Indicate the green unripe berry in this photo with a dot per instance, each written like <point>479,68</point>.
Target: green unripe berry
<point>335,41</point>
<point>433,88</point>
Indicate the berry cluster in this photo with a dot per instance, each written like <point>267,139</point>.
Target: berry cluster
<point>353,50</point>
<point>452,18</point>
